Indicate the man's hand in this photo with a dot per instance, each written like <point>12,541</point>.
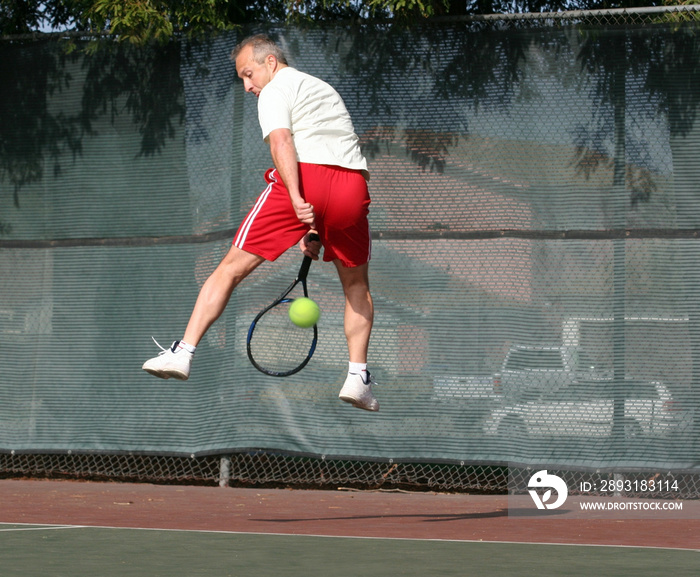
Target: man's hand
<point>305,212</point>
<point>310,248</point>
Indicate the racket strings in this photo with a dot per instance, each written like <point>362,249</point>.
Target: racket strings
<point>277,344</point>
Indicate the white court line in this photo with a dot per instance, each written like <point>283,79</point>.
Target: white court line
<point>34,527</point>
<point>301,535</point>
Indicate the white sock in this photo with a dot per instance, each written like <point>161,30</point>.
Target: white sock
<point>189,348</point>
<point>358,369</point>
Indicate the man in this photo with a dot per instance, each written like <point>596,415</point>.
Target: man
<point>318,185</point>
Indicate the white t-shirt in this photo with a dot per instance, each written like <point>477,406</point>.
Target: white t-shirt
<point>315,114</point>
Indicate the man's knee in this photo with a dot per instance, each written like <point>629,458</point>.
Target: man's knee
<point>353,277</point>
<point>238,264</point>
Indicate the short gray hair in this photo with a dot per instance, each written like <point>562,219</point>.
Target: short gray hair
<point>263,46</point>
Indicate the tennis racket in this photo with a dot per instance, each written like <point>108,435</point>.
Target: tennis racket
<point>275,345</point>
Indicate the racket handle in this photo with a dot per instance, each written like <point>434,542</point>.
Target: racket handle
<point>306,263</point>
<point>304,268</point>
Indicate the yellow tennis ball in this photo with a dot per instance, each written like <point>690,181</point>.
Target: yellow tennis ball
<point>304,312</point>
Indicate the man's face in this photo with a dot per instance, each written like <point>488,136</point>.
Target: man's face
<point>255,76</point>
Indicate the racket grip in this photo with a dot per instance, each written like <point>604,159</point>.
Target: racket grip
<point>304,268</point>
<point>306,263</point>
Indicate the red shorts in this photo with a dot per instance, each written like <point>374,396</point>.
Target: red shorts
<point>341,204</point>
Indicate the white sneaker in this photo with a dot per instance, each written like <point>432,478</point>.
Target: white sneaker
<point>173,362</point>
<point>358,393</point>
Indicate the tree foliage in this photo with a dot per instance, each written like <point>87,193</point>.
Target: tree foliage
<point>139,21</point>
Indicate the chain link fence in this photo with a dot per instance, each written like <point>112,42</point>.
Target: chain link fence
<point>275,470</point>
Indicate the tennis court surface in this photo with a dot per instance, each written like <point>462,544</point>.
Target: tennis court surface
<point>73,528</point>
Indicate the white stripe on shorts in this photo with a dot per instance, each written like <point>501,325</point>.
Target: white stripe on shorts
<point>248,222</point>
<point>369,234</point>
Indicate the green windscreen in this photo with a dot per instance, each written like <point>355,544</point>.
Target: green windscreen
<point>535,265</point>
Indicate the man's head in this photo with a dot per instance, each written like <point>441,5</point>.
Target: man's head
<point>257,59</point>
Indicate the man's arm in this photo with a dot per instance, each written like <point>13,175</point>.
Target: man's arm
<point>284,156</point>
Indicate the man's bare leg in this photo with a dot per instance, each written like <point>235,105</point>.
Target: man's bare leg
<point>213,297</point>
<point>359,318</point>
<point>359,310</point>
<point>216,292</point>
